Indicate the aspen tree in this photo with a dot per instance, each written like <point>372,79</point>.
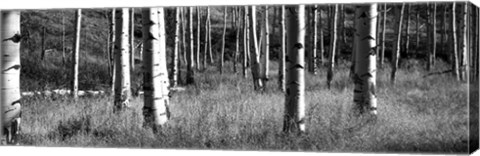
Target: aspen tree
<point>76,49</point>
<point>222,54</point>
<point>455,49</point>
<point>294,118</point>
<point>10,109</point>
<point>131,39</point>
<point>281,70</point>
<point>331,62</point>
<point>443,27</point>
<point>190,54</point>
<point>265,49</point>
<point>207,19</point>
<point>365,70</point>
<point>209,25</point>
<point>434,33</point>
<point>245,42</point>
<point>322,47</point>
<point>255,55</point>
<point>407,33</point>
<point>396,48</point>
<point>237,38</point>
<point>417,27</point>
<point>122,70</point>
<point>382,58</point>
<point>184,30</point>
<point>111,51</point>
<point>197,54</point>
<point>156,101</point>
<point>313,56</point>
<point>429,38</point>
<point>63,41</point>
<point>464,54</point>
<point>176,48</point>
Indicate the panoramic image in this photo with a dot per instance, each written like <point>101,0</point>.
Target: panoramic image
<point>346,77</point>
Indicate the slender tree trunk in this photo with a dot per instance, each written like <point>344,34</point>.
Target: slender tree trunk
<point>184,30</point>
<point>111,50</point>
<point>156,102</point>
<point>281,69</point>
<point>464,57</point>
<point>313,56</point>
<point>444,28</point>
<point>75,58</point>
<point>265,49</point>
<point>396,48</point>
<point>294,118</point>
<point>407,41</point>
<point>417,19</point>
<point>122,82</point>
<point>209,25</point>
<point>222,54</point>
<point>190,53</point>
<point>197,55</point>
<point>255,55</point>
<point>434,33</point>
<point>331,62</point>
<point>63,42</point>
<point>384,39</point>
<point>377,35</point>
<point>132,39</point>
<point>207,19</point>
<point>10,108</point>
<point>322,47</point>
<point>174,66</point>
<point>455,49</point>
<point>237,38</point>
<point>245,42</point>
<point>248,38</point>
<point>44,31</point>
<point>429,38</point>
<point>365,71</point>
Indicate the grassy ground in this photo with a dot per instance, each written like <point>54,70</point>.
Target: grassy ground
<point>222,112</point>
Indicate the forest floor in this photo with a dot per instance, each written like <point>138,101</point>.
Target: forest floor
<point>416,114</point>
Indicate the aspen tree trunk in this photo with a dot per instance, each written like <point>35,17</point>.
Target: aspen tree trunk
<point>354,51</point>
<point>382,58</point>
<point>331,62</point>
<point>63,42</point>
<point>122,70</point>
<point>197,55</point>
<point>209,25</point>
<point>237,38</point>
<point>407,41</point>
<point>131,39</point>
<point>245,42</point>
<point>313,56</point>
<point>464,55</point>
<point>444,28</point>
<point>75,58</point>
<point>111,50</point>
<point>417,19</point>
<point>294,118</point>
<point>265,49</point>
<point>322,47</point>
<point>207,38</point>
<point>43,42</point>
<point>174,65</point>
<point>255,56</point>
<point>281,70</point>
<point>377,35</point>
<point>429,38</point>
<point>222,54</point>
<point>396,48</point>
<point>248,37</point>
<point>434,33</point>
<point>455,49</point>
<point>156,101</point>
<point>184,30</point>
<point>10,111</point>
<point>190,53</point>
<point>365,71</point>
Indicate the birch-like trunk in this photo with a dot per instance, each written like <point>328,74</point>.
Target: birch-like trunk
<point>184,30</point>
<point>237,24</point>
<point>122,70</point>
<point>111,51</point>
<point>331,62</point>
<point>10,111</point>
<point>190,53</point>
<point>455,49</point>
<point>75,56</point>
<point>255,55</point>
<point>434,33</point>
<point>197,54</point>
<point>429,38</point>
<point>407,34</point>
<point>156,101</point>
<point>131,39</point>
<point>265,49</point>
<point>281,68</point>
<point>174,65</point>
<point>209,25</point>
<point>464,55</point>
<point>398,33</point>
<point>245,42</point>
<point>384,28</point>
<point>417,27</point>
<point>322,47</point>
<point>222,53</point>
<point>313,56</point>
<point>365,70</point>
<point>294,118</point>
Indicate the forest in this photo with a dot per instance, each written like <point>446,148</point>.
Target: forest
<point>373,77</point>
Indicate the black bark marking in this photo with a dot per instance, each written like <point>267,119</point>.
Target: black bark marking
<point>15,38</point>
<point>16,67</point>
<point>368,37</point>
<point>298,66</point>
<point>363,15</point>
<point>15,102</point>
<point>298,45</point>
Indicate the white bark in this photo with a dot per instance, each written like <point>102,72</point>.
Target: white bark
<point>75,56</point>
<point>265,48</point>
<point>455,49</point>
<point>464,55</point>
<point>281,70</point>
<point>156,100</point>
<point>190,53</point>
<point>122,69</point>
<point>396,49</point>
<point>222,53</point>
<point>10,78</point>
<point>245,42</point>
<point>176,49</point>
<point>365,58</point>
<point>294,119</point>
<point>331,62</point>
<point>255,55</point>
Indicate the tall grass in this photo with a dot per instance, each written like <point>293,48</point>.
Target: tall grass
<point>223,112</point>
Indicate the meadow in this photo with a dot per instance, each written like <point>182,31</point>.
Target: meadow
<point>417,114</point>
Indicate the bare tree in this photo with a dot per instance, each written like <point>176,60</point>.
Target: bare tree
<point>122,65</point>
<point>197,54</point>
<point>76,49</point>
<point>294,118</point>
<point>174,66</point>
<point>222,54</point>
<point>265,48</point>
<point>331,62</point>
<point>190,79</point>
<point>398,32</point>
<point>455,49</point>
<point>255,55</point>
<point>382,58</point>
<point>281,70</point>
<point>464,55</point>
